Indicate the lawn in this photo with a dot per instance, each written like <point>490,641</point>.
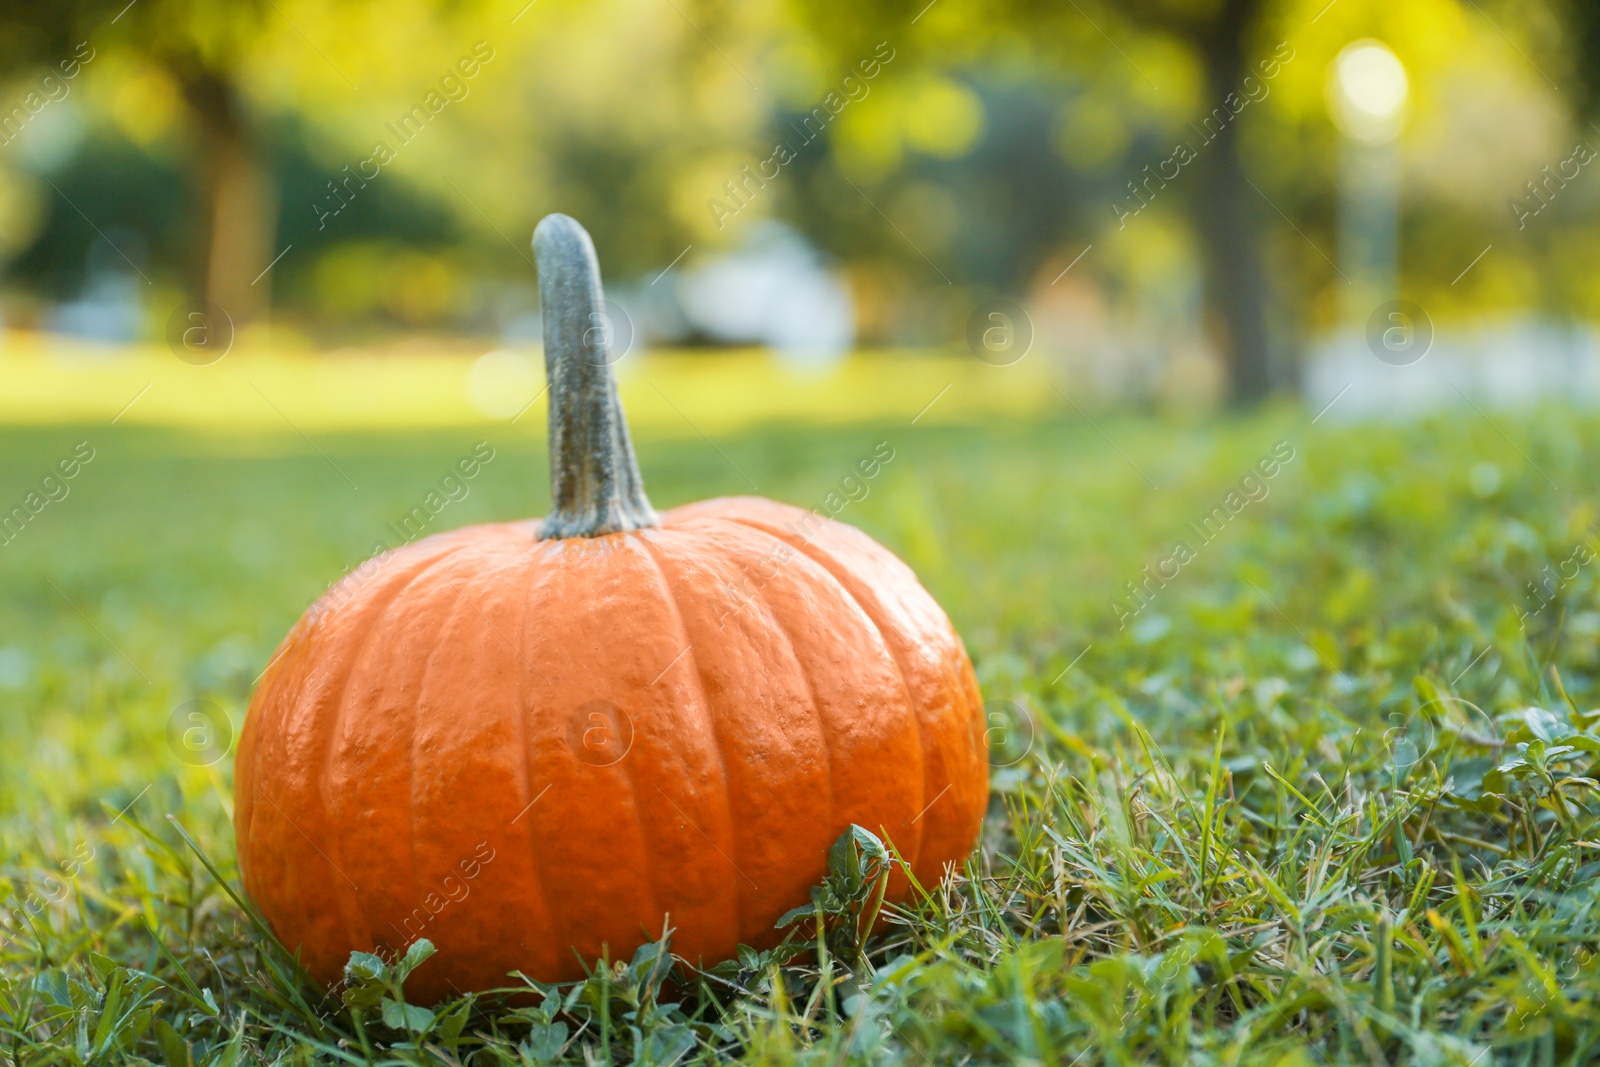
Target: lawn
<point>1317,787</point>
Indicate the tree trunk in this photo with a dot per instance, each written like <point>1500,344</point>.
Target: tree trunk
<point>1228,219</point>
<point>240,206</point>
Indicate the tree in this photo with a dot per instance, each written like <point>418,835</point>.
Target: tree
<point>199,43</point>
<point>1225,212</point>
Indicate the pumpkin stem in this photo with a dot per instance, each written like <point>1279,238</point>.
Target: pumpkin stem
<point>595,487</point>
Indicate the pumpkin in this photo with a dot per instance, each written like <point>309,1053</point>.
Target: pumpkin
<point>533,742</point>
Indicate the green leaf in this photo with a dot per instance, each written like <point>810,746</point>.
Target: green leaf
<point>174,1049</point>
<point>645,957</point>
<point>103,966</point>
<point>1544,725</point>
<point>1514,764</point>
<point>398,1016</point>
<point>53,984</point>
<point>450,1025</point>
<point>544,1043</point>
<point>1467,775</point>
<point>365,976</point>
<point>1428,695</point>
<point>362,996</point>
<point>667,1045</point>
<point>843,862</point>
<point>416,954</point>
<point>364,966</point>
<point>855,861</point>
<point>794,915</point>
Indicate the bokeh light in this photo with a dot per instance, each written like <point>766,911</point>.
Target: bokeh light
<point>1368,90</point>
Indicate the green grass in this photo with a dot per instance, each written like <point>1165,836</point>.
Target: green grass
<point>1323,800</point>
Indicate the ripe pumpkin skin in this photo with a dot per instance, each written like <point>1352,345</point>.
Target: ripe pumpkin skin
<point>398,731</point>
<point>417,760</point>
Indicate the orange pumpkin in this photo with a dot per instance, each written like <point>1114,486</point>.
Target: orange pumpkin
<point>529,741</point>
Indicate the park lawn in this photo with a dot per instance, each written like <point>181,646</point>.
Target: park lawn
<point>1324,794</point>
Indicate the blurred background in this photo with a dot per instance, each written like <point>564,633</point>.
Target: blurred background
<point>1086,270</point>
<point>1159,202</point>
